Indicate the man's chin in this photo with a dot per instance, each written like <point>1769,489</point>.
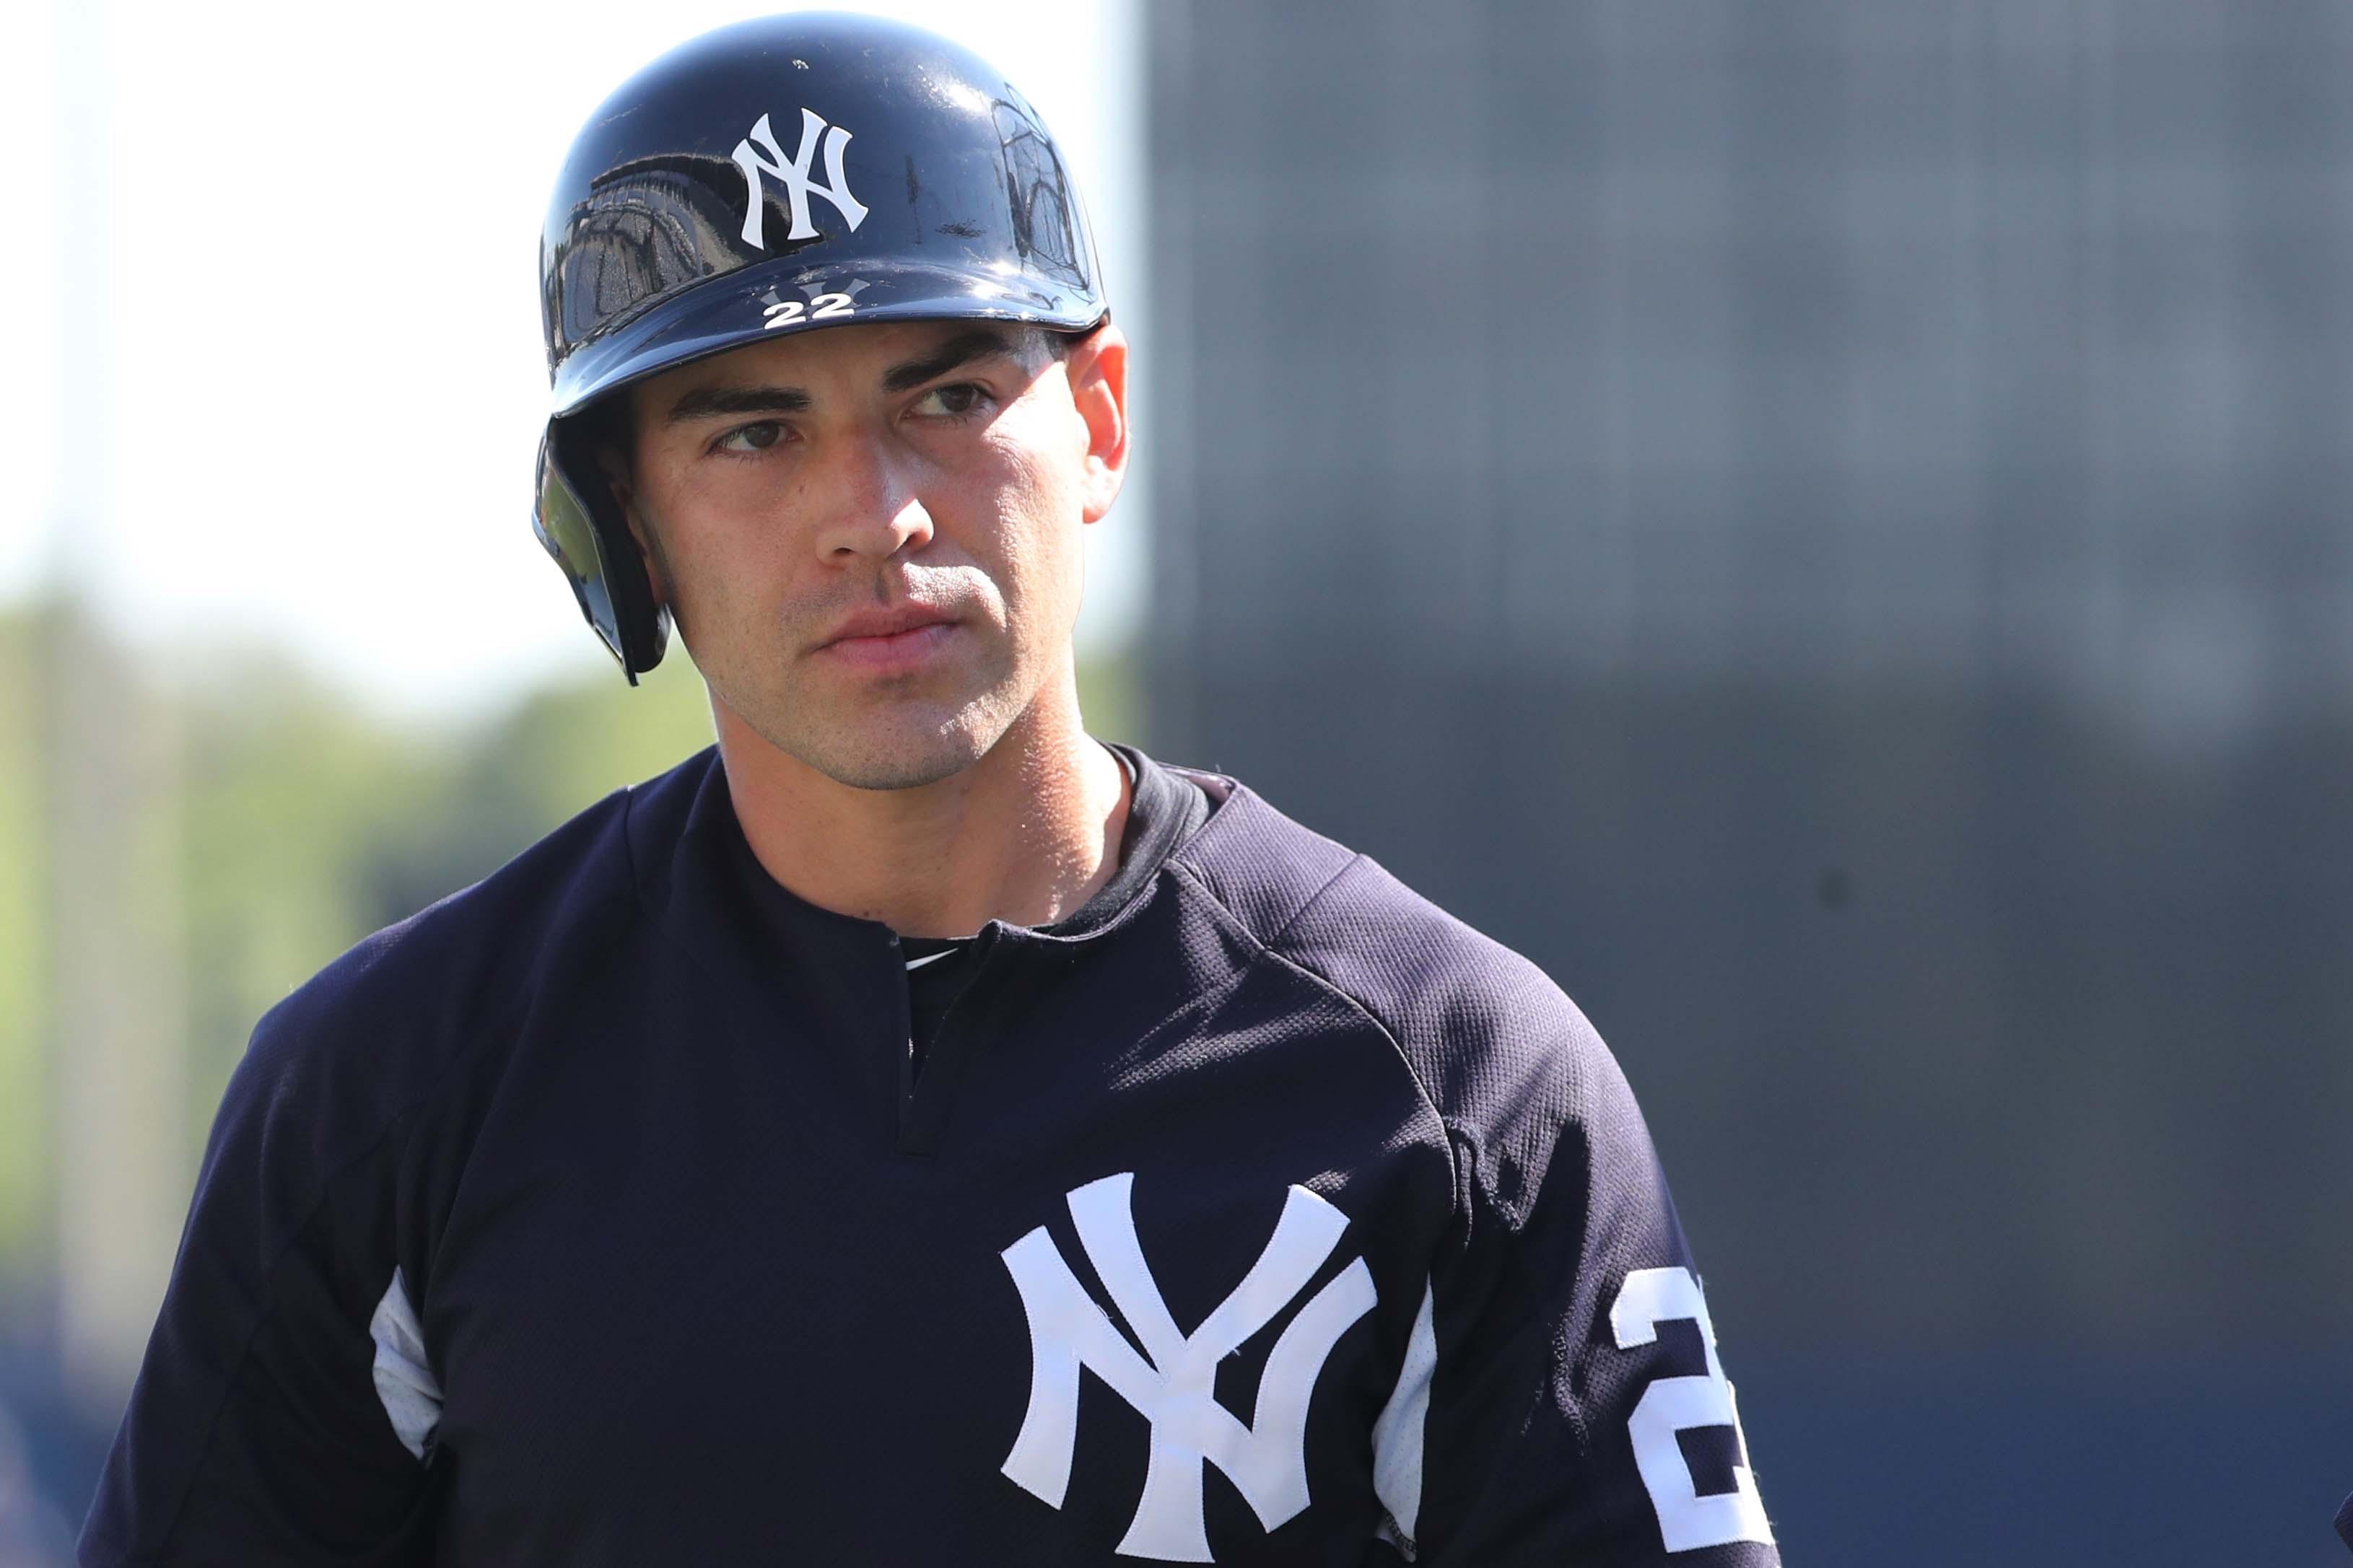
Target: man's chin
<point>906,748</point>
<point>883,769</point>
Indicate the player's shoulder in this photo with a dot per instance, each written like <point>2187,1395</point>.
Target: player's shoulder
<point>1486,1030</point>
<point>396,1009</point>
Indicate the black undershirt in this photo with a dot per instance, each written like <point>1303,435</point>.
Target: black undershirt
<point>1162,808</point>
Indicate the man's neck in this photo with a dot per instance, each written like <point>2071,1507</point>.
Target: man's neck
<point>1025,835</point>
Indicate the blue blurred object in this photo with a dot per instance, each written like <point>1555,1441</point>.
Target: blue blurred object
<point>2047,1463</point>
<point>2345,1522</point>
<point>49,1457</point>
<point>34,1531</point>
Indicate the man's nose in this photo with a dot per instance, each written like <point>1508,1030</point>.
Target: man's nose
<point>869,504</point>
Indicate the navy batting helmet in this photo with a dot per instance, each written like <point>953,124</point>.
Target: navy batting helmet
<point>774,176</point>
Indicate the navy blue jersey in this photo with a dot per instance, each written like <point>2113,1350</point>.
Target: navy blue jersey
<point>601,1215</point>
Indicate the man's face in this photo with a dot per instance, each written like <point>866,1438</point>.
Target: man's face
<point>937,472</point>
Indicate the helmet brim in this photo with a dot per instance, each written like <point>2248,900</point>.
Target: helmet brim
<point>765,302</point>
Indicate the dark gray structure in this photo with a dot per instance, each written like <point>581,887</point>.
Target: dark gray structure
<point>1827,525</point>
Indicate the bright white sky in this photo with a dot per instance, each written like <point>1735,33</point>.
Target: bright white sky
<point>311,336</point>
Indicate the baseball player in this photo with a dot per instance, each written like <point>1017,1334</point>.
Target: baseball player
<point>910,1131</point>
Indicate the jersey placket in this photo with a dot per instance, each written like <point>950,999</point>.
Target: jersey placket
<point>927,1094</point>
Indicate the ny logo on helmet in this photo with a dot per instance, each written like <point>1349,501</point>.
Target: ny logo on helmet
<point>757,154</point>
<point>1176,1388</point>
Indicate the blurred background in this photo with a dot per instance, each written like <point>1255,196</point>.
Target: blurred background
<point>1823,525</point>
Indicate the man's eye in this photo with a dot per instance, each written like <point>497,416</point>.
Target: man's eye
<point>756,438</point>
<point>954,402</point>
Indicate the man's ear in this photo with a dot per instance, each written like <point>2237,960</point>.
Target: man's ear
<point>1097,366</point>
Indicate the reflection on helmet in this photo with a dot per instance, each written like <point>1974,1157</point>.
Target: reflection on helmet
<point>645,231</point>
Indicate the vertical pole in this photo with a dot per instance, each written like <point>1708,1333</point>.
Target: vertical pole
<point>116,1011</point>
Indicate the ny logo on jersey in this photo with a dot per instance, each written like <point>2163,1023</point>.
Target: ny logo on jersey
<point>1174,1389</point>
<point>757,154</point>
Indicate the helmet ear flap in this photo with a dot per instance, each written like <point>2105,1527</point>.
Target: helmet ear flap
<point>578,520</point>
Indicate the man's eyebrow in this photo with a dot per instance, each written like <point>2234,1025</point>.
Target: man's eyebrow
<point>712,402</point>
<point>981,343</point>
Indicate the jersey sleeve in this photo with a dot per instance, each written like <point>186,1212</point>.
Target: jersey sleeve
<point>1563,1400</point>
<point>282,1413</point>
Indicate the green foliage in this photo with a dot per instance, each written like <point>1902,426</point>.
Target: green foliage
<point>23,1086</point>
<point>1110,695</point>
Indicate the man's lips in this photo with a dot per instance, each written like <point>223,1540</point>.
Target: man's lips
<point>891,650</point>
<point>873,624</point>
